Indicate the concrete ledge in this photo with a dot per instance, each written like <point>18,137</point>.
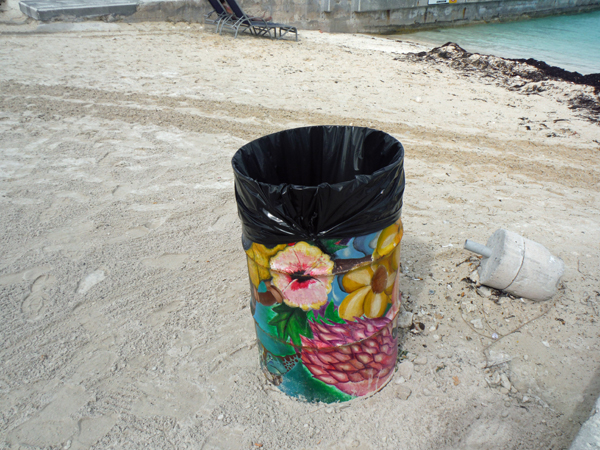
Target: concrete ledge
<point>47,10</point>
<point>171,11</point>
<point>342,16</point>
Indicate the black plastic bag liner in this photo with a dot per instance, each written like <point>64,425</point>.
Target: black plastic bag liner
<point>318,182</point>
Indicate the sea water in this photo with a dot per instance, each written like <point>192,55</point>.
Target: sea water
<point>569,42</point>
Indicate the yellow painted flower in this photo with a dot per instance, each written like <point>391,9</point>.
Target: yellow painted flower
<point>388,240</point>
<point>258,262</point>
<point>370,287</point>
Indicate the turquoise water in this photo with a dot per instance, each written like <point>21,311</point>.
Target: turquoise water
<point>570,42</point>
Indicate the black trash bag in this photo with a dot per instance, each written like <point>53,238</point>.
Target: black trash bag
<point>318,182</point>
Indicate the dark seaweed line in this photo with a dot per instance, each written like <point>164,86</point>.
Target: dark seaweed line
<point>546,70</point>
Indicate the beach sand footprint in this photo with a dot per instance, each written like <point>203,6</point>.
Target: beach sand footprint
<point>121,191</point>
<point>157,222</point>
<point>37,302</point>
<point>226,215</point>
<point>141,231</point>
<point>90,281</point>
<point>132,233</point>
<point>94,367</point>
<point>170,261</point>
<point>91,429</point>
<point>53,424</point>
<point>227,438</point>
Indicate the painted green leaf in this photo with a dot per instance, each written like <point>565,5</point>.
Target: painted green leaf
<point>332,245</point>
<point>291,323</point>
<point>332,315</point>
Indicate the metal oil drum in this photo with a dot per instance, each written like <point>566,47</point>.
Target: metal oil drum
<point>325,313</point>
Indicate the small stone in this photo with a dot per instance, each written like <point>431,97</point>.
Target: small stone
<point>426,392</point>
<point>474,276</point>
<point>220,417</point>
<point>505,382</point>
<point>494,336</point>
<point>525,357</point>
<point>433,327</point>
<point>505,414</point>
<point>525,399</point>
<point>436,337</point>
<point>403,392</point>
<point>503,391</point>
<point>497,358</point>
<point>405,369</point>
<point>405,319</point>
<point>546,344</point>
<point>484,291</point>
<point>329,410</point>
<point>495,379</point>
<point>431,292</point>
<point>477,323</point>
<point>487,306</point>
<point>420,360</point>
<point>400,380</point>
<point>468,307</point>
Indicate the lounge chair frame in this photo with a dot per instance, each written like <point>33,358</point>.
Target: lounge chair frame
<point>256,25</point>
<point>221,15</point>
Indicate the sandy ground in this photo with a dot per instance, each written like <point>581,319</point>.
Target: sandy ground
<point>124,318</point>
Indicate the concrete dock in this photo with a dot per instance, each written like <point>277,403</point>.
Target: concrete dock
<point>45,10</point>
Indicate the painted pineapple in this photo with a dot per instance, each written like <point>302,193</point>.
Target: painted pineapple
<point>356,357</point>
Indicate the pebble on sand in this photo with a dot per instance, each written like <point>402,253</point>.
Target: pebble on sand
<point>420,360</point>
<point>406,369</point>
<point>405,319</point>
<point>403,392</point>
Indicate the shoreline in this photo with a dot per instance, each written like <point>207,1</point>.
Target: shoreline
<point>490,38</point>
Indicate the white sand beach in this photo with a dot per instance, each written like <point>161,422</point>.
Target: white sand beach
<point>124,299</point>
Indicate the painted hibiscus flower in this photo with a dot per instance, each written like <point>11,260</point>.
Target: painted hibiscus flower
<point>302,273</point>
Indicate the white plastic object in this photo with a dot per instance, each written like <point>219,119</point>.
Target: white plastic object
<point>518,266</point>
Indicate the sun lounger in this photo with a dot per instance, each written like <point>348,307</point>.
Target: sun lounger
<point>256,25</point>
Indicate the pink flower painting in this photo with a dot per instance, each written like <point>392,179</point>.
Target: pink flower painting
<point>302,272</point>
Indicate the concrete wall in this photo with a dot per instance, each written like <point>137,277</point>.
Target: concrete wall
<point>371,16</point>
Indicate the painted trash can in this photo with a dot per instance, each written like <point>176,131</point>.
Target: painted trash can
<point>320,209</point>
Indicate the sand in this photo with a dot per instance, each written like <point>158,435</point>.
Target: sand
<point>124,300</point>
